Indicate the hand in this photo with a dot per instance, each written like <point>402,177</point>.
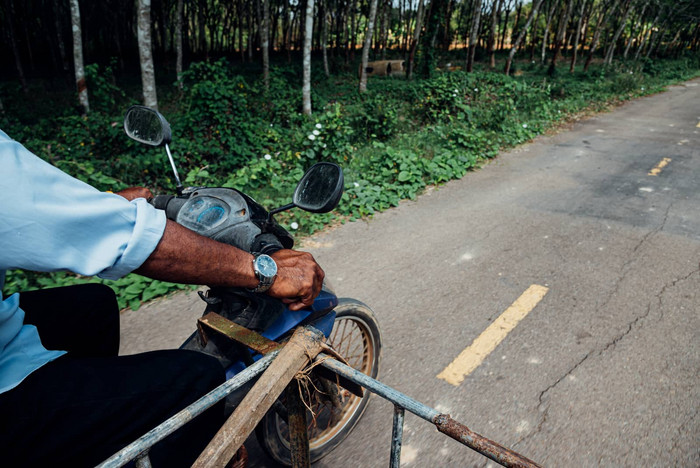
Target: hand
<point>132,193</point>
<point>299,278</point>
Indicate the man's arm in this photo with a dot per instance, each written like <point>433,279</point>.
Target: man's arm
<point>183,256</point>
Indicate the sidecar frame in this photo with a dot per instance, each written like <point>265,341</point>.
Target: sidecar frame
<point>226,442</point>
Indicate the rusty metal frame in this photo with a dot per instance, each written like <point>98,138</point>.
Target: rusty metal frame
<point>288,361</point>
<point>443,422</point>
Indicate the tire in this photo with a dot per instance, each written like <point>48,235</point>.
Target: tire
<point>354,324</point>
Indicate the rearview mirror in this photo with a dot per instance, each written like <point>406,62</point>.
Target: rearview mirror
<point>147,126</point>
<point>320,189</point>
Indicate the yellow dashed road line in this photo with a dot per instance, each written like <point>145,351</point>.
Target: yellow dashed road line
<point>484,344</point>
<point>657,170</point>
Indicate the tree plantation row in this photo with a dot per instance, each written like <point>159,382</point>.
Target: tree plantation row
<point>56,38</point>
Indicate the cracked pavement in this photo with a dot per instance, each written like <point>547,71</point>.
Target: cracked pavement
<point>604,370</point>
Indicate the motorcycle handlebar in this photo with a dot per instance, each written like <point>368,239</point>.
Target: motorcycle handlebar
<point>266,242</point>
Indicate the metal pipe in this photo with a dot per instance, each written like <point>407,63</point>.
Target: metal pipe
<point>481,444</point>
<point>443,422</point>
<point>172,164</point>
<point>133,450</point>
<point>375,386</point>
<point>396,437</point>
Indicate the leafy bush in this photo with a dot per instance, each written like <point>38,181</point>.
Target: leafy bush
<point>216,128</point>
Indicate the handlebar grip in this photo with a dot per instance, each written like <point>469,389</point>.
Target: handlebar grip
<point>266,244</point>
<point>160,202</point>
<point>168,203</point>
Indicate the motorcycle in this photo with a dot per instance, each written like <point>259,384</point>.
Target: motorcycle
<point>230,216</point>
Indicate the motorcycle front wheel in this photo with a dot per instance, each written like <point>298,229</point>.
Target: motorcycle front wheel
<point>357,338</point>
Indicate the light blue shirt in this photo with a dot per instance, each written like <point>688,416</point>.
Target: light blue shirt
<point>50,221</point>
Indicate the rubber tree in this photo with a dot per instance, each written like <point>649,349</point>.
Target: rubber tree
<point>613,42</point>
<point>265,42</point>
<point>495,11</point>
<point>416,39</point>
<point>368,44</point>
<point>178,42</point>
<point>605,9</point>
<point>577,36</point>
<point>474,35</point>
<point>80,82</point>
<point>550,15</point>
<point>324,36</point>
<point>308,36</point>
<point>535,6</point>
<point>148,76</point>
<point>559,38</point>
<point>59,37</point>
<point>633,28</point>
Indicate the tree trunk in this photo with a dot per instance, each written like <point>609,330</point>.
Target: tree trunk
<point>59,37</point>
<point>533,37</point>
<point>613,43</point>
<point>416,39</point>
<point>633,28</point>
<point>10,34</point>
<point>345,43</point>
<point>550,15</point>
<point>407,28</point>
<point>495,9</point>
<point>241,30</point>
<point>655,43</point>
<point>324,38</point>
<point>670,44</point>
<point>505,26</point>
<point>178,42</point>
<point>596,34</point>
<point>80,82</point>
<point>285,27</point>
<point>368,44</point>
<point>514,48</point>
<point>202,25</point>
<point>353,31</point>
<point>578,36</point>
<point>518,10</point>
<point>308,36</point>
<point>474,35</point>
<point>148,78</point>
<point>251,32</point>
<point>434,20</point>
<point>265,42</point>
<point>164,27</point>
<point>385,27</point>
<point>563,21</point>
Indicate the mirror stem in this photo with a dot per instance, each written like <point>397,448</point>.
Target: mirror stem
<point>279,210</point>
<point>177,176</point>
<point>269,224</point>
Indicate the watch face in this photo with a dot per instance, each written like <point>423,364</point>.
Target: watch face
<point>266,266</point>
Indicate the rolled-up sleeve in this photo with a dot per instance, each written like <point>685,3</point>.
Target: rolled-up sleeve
<point>148,228</point>
<point>51,221</point>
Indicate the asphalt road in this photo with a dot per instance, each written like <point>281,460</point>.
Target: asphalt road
<point>603,370</point>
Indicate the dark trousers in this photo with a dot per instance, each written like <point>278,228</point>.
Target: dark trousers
<point>83,407</point>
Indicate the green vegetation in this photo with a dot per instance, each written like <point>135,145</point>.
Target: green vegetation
<point>392,141</point>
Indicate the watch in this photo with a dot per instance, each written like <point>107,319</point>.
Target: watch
<point>265,270</point>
